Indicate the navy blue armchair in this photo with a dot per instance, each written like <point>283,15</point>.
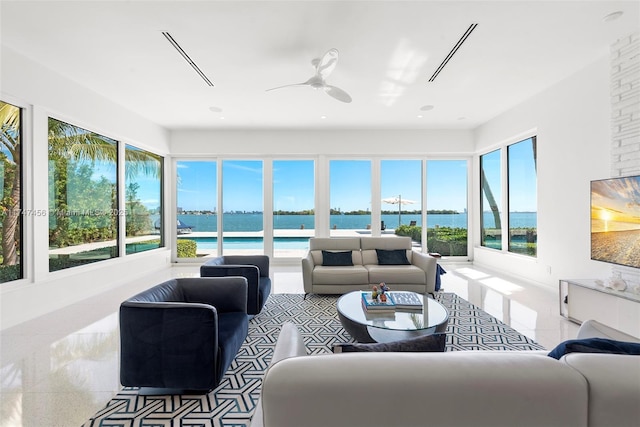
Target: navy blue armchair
<point>255,268</point>
<point>182,335</point>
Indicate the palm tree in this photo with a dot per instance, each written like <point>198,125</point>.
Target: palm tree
<point>69,143</point>
<point>10,201</point>
<point>491,200</point>
<point>66,143</point>
<point>74,143</point>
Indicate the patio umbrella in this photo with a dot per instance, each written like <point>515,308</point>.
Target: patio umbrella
<point>398,200</point>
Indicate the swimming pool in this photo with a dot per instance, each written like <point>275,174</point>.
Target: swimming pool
<point>210,243</point>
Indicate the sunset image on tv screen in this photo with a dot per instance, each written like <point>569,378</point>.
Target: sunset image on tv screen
<point>615,220</point>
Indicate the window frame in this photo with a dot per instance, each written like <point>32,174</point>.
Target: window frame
<point>504,199</point>
<point>510,245</point>
<point>114,209</point>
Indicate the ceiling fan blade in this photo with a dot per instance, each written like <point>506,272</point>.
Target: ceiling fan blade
<point>337,93</point>
<point>295,84</point>
<point>327,63</point>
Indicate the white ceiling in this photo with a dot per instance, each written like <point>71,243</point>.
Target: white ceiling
<point>388,52</point>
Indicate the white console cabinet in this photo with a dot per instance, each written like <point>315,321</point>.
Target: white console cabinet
<point>585,299</point>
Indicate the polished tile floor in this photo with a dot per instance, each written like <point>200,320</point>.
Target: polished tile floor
<point>58,370</point>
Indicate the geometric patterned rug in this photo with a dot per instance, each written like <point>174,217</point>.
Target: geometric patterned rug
<point>232,403</point>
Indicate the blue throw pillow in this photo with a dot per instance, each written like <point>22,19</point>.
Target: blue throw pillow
<point>336,258</point>
<point>595,345</point>
<point>425,343</point>
<point>392,257</point>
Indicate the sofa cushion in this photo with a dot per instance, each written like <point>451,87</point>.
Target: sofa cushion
<point>356,257</point>
<point>331,258</point>
<point>264,290</point>
<point>612,381</point>
<point>594,329</point>
<point>387,242</point>
<point>456,388</point>
<point>434,342</point>
<point>347,275</point>
<point>390,274</point>
<point>232,330</point>
<point>595,345</point>
<point>392,257</point>
<point>334,243</point>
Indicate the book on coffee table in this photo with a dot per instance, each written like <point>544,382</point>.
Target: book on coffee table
<point>369,304</point>
<point>406,301</point>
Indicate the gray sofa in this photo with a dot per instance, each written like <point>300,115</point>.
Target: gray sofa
<point>417,276</point>
<point>464,388</point>
<point>182,334</point>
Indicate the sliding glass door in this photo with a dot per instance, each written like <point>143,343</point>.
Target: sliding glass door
<point>447,220</point>
<point>293,207</point>
<point>197,208</point>
<point>242,201</point>
<point>401,188</point>
<point>350,196</point>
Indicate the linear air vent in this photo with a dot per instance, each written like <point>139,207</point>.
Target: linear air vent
<point>453,51</point>
<point>186,57</point>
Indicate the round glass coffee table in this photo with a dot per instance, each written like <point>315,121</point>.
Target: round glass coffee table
<point>368,326</point>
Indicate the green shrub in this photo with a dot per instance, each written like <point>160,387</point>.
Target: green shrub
<point>9,272</point>
<point>413,231</point>
<point>448,241</point>
<point>186,248</point>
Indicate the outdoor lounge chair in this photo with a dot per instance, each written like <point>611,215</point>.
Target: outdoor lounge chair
<point>182,228</point>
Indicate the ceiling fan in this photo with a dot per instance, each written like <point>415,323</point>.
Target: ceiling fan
<point>324,66</point>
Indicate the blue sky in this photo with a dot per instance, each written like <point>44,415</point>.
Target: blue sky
<point>350,183</point>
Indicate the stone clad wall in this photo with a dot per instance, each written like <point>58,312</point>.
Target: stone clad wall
<point>625,120</point>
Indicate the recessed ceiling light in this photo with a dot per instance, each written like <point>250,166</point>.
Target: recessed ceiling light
<point>426,108</point>
<point>420,116</point>
<point>221,117</point>
<point>215,109</point>
<point>323,117</point>
<point>612,16</point>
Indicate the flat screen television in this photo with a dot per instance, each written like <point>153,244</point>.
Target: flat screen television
<point>615,220</point>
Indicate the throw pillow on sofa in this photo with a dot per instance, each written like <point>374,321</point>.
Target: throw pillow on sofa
<point>595,345</point>
<point>426,343</point>
<point>336,258</point>
<point>392,257</point>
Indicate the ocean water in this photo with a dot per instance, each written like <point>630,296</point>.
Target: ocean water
<point>253,222</point>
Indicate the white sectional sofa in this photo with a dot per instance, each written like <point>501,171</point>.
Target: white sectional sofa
<point>418,276</point>
<point>458,388</point>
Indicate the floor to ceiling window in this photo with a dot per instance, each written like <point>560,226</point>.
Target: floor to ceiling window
<point>447,219</point>
<point>11,213</point>
<point>242,202</point>
<point>350,196</point>
<point>293,206</point>
<point>401,188</point>
<point>83,199</point>
<point>519,180</point>
<point>292,219</point>
<point>491,200</point>
<point>523,207</point>
<point>143,200</point>
<point>197,208</point>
